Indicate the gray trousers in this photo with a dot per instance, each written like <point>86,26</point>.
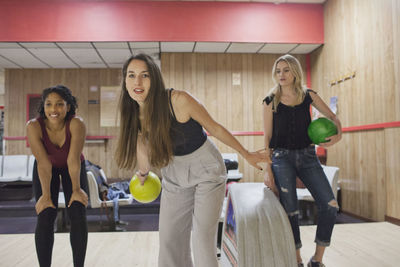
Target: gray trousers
<point>193,193</point>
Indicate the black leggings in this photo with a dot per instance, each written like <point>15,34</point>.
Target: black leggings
<point>44,234</point>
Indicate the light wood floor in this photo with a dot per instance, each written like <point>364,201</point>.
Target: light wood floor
<point>353,245</point>
<point>357,245</point>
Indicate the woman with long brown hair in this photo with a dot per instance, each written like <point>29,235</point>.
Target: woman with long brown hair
<point>164,128</point>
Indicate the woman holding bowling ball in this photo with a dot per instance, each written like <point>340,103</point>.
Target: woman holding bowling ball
<point>286,119</point>
<point>164,128</point>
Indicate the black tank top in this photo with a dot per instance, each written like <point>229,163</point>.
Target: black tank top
<point>290,124</point>
<point>187,136</point>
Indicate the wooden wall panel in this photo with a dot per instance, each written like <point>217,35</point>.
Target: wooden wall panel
<point>394,112</point>
<point>392,172</point>
<point>392,136</point>
<point>362,172</point>
<point>363,36</point>
<point>231,87</point>
<point>14,118</point>
<point>92,119</point>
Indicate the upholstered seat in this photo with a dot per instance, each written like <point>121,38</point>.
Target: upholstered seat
<point>94,199</point>
<point>14,168</point>
<point>332,173</point>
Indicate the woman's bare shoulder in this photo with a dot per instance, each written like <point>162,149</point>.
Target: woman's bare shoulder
<point>181,97</point>
<point>77,124</point>
<point>77,120</point>
<point>33,124</point>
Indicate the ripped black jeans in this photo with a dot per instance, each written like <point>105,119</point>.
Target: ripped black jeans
<point>287,164</point>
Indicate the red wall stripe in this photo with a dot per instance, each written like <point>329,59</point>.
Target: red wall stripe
<point>374,126</point>
<point>58,21</point>
<point>367,127</point>
<point>14,138</point>
<point>89,137</point>
<point>308,70</point>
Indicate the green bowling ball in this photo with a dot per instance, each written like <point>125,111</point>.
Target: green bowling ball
<point>320,129</point>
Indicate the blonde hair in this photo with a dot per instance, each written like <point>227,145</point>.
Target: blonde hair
<point>296,70</point>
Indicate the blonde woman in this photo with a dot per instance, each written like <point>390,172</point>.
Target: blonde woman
<point>164,128</point>
<point>286,119</point>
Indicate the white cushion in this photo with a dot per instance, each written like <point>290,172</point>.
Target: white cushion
<point>31,162</point>
<point>223,211</point>
<point>1,165</point>
<point>14,168</point>
<point>230,156</point>
<point>95,201</point>
<point>332,173</point>
<point>232,174</point>
<point>61,200</point>
<point>304,194</point>
<point>103,174</point>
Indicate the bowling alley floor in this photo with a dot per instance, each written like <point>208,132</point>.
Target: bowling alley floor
<point>354,242</point>
<point>353,245</point>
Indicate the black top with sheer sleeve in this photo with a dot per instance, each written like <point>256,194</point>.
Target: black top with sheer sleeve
<point>290,124</point>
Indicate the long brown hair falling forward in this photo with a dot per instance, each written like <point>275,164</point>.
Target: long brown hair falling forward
<point>156,124</point>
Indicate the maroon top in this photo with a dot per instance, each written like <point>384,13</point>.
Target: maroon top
<point>57,155</point>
